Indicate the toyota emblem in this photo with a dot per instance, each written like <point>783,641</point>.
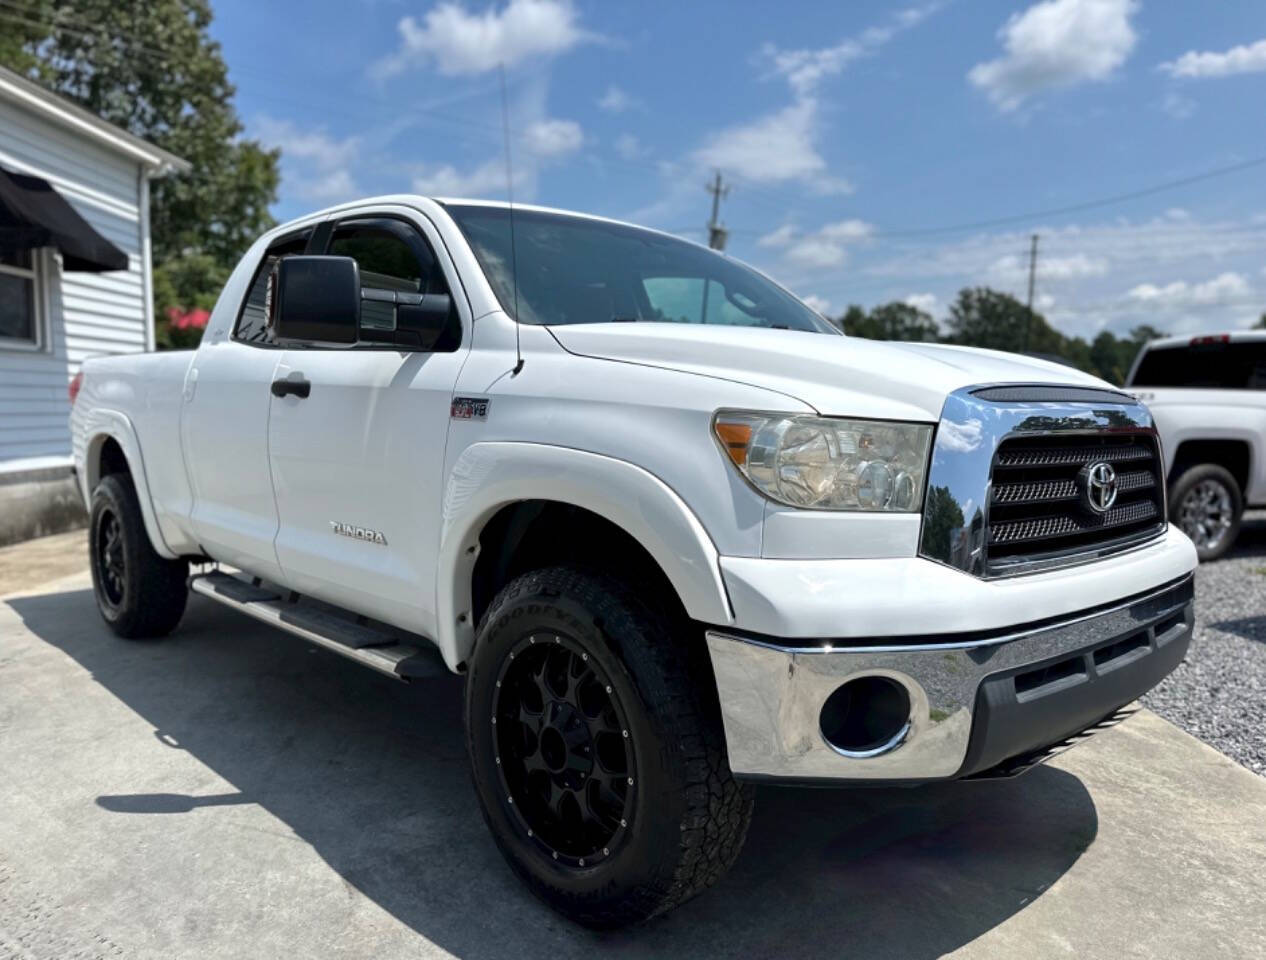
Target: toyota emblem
<point>1099,487</point>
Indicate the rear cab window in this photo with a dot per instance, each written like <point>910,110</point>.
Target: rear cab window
<point>1204,363</point>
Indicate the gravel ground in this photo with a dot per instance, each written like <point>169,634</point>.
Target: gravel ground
<point>1219,693</point>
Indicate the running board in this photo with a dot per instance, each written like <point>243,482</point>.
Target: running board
<point>369,643</point>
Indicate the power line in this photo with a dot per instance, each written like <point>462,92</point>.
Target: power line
<point>1079,207</point>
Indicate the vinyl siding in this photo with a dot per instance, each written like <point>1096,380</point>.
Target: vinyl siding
<point>86,314</point>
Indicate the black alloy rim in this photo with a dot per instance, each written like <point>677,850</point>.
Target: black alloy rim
<point>563,750</point>
<point>110,564</point>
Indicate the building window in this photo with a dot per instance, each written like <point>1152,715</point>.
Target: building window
<point>21,300</point>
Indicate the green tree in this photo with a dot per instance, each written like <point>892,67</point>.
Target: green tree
<point>889,321</point>
<point>151,67</point>
<point>981,317</point>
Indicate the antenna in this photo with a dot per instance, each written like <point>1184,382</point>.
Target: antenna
<point>514,250</point>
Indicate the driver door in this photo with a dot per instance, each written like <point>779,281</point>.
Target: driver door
<point>357,458</point>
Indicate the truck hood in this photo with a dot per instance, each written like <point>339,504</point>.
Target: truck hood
<point>837,376</point>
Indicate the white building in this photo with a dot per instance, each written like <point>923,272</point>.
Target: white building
<point>60,299</point>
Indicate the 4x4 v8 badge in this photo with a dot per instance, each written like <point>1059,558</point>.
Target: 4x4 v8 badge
<point>469,408</point>
<point>357,533</point>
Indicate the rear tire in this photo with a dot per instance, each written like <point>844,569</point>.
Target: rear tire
<point>139,593</point>
<point>1205,502</point>
<point>597,750</point>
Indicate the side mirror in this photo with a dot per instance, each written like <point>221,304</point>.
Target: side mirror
<point>431,325</point>
<point>316,300</point>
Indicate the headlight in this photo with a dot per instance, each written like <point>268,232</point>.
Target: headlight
<point>824,463</point>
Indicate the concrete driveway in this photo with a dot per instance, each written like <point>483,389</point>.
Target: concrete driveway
<point>231,792</point>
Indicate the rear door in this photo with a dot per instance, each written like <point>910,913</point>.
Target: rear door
<point>357,462</point>
<point>225,431</point>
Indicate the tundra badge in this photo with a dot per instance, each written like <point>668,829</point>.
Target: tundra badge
<point>357,533</point>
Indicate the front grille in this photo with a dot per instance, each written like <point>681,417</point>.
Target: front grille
<point>1037,507</point>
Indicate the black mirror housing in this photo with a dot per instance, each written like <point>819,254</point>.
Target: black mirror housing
<point>317,300</point>
<point>431,325</point>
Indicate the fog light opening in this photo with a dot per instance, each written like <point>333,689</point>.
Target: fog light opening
<point>866,717</point>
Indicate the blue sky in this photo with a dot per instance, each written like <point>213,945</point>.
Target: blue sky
<point>851,133</point>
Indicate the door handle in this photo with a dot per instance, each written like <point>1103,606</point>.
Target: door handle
<point>298,388</point>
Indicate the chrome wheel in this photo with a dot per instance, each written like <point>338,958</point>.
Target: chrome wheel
<point>111,568</point>
<point>563,750</point>
<point>1206,514</point>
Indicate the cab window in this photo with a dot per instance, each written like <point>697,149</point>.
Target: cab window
<point>252,321</point>
<point>396,264</point>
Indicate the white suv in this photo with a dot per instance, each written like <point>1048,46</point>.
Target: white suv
<point>1208,396</point>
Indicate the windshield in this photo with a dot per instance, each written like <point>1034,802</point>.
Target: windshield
<point>575,270</point>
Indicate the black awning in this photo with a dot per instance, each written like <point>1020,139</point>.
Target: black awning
<point>33,214</point>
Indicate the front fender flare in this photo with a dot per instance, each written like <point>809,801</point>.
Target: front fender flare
<point>488,476</point>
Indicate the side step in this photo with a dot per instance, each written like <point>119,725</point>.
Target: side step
<point>374,645</point>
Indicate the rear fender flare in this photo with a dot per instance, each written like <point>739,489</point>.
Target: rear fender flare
<point>105,425</point>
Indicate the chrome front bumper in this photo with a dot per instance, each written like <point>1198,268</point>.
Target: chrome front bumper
<point>977,700</point>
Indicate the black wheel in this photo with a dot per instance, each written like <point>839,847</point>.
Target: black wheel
<point>1206,504</point>
<point>139,593</point>
<point>597,750</point>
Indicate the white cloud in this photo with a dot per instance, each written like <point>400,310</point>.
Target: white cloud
<point>777,147</point>
<point>459,41</point>
<point>922,301</point>
<point>1246,58</point>
<point>1225,288</point>
<point>814,302</point>
<point>1055,44</point>
<point>1099,264</point>
<point>804,70</point>
<point>778,238</point>
<point>823,248</point>
<point>816,252</point>
<point>783,145</point>
<point>616,100</point>
<point>847,230</point>
<point>317,166</point>
<point>447,181</point>
<point>629,147</point>
<point>1178,106</point>
<point>331,187</point>
<point>553,138</point>
<point>1012,267</point>
<point>314,145</point>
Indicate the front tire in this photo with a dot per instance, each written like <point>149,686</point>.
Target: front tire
<point>139,593</point>
<point>1207,505</point>
<point>597,751</point>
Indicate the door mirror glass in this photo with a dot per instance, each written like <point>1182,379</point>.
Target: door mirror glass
<point>315,300</point>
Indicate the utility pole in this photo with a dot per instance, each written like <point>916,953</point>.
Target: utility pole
<point>1028,319</point>
<point>716,233</point>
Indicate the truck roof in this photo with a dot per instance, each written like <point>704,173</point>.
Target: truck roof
<point>405,198</point>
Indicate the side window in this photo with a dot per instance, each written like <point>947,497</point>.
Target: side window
<point>396,264</point>
<point>675,299</point>
<point>687,300</point>
<point>252,325</point>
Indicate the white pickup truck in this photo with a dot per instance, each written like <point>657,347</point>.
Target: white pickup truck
<point>676,531</point>
<point>1208,396</point>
